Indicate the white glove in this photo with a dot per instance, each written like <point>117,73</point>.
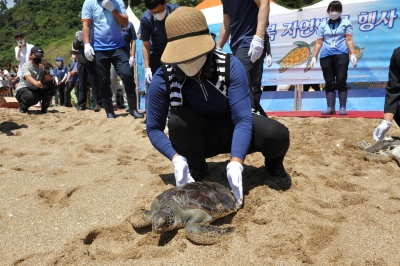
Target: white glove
<point>148,75</point>
<point>256,48</point>
<point>380,131</point>
<point>132,61</point>
<point>107,4</point>
<point>269,60</point>
<point>79,35</point>
<point>354,60</point>
<point>89,53</point>
<point>182,174</point>
<point>313,61</point>
<point>234,172</point>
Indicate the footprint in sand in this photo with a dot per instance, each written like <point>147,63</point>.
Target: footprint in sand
<point>52,198</point>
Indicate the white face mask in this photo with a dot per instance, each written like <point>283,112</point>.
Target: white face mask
<point>160,15</point>
<point>192,68</point>
<point>58,63</point>
<point>334,15</point>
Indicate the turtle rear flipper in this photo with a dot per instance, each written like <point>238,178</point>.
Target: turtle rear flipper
<point>364,144</point>
<point>207,234</point>
<point>141,218</point>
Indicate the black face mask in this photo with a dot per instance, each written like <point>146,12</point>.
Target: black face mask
<point>37,61</point>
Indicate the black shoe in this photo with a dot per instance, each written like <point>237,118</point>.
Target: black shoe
<point>108,107</point>
<point>136,114</point>
<point>282,180</point>
<point>97,108</point>
<point>81,108</point>
<point>22,108</point>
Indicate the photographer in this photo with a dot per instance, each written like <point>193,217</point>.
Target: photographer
<point>32,87</point>
<point>49,88</point>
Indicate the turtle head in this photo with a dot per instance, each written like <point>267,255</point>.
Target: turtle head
<point>163,220</point>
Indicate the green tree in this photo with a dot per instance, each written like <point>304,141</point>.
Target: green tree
<point>3,6</point>
<point>293,4</point>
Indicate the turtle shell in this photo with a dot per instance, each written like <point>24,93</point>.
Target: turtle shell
<point>296,56</point>
<point>213,198</point>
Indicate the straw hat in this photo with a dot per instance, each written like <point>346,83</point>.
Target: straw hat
<point>188,36</point>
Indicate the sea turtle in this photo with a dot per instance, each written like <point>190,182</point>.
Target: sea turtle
<point>384,150</point>
<point>297,56</point>
<point>191,206</point>
<point>358,52</point>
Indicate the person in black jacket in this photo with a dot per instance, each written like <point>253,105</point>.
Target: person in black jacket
<point>86,72</point>
<point>392,99</point>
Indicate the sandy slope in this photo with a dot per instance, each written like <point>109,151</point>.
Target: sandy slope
<point>69,181</point>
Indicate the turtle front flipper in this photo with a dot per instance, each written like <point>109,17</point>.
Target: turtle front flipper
<point>207,234</point>
<point>141,218</point>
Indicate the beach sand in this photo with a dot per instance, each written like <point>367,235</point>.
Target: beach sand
<point>70,180</point>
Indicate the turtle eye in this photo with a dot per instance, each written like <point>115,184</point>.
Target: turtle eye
<point>159,221</point>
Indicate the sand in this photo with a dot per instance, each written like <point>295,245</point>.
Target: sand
<point>70,180</point>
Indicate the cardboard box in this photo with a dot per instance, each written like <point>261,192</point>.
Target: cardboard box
<point>8,102</point>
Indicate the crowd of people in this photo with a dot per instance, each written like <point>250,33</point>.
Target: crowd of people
<point>209,99</point>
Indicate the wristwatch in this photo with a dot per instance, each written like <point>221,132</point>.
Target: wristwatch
<point>262,37</point>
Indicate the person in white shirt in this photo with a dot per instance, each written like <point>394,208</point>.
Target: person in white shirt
<point>22,51</point>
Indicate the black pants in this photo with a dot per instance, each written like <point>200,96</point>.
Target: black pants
<point>334,69</point>
<point>155,62</point>
<point>31,97</point>
<point>254,75</point>
<point>67,93</point>
<point>193,136</point>
<point>397,116</point>
<point>60,93</point>
<point>87,72</point>
<point>119,59</point>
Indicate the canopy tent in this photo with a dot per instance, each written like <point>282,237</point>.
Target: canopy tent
<point>139,73</point>
<point>132,18</point>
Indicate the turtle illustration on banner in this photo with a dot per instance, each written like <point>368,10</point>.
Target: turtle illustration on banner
<point>358,52</point>
<point>297,56</point>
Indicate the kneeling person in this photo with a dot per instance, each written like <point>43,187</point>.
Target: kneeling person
<point>30,89</point>
<point>211,112</point>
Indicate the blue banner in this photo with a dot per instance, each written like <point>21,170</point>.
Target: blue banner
<point>376,28</point>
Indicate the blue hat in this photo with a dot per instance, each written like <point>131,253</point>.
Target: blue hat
<point>59,59</point>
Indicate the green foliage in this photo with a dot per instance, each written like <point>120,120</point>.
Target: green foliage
<point>42,22</point>
<point>139,8</point>
<point>293,4</point>
<point>52,24</point>
<point>3,6</point>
